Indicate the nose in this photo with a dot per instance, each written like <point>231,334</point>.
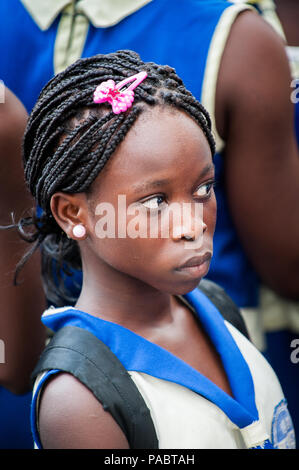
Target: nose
<point>189,234</point>
<point>191,226</point>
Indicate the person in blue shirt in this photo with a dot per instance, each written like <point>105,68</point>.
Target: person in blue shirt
<point>21,331</point>
<point>206,45</point>
<point>280,315</point>
<point>109,127</point>
<point>216,35</point>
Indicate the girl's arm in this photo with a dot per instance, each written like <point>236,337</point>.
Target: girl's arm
<point>70,417</point>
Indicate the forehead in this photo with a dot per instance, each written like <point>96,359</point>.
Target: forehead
<point>164,143</point>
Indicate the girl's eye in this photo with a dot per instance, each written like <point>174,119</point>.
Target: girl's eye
<point>205,189</point>
<point>154,202</point>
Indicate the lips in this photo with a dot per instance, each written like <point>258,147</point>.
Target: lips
<point>196,261</point>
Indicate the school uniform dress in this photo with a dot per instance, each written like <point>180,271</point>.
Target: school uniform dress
<point>187,409</point>
<point>189,35</point>
<point>279,316</point>
<point>190,38</point>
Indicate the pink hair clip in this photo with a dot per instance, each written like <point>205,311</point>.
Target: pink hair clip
<point>111,92</point>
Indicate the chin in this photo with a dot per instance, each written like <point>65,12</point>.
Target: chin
<point>184,288</point>
<point>189,282</point>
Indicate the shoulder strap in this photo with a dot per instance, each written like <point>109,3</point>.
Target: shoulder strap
<point>83,355</point>
<point>225,304</point>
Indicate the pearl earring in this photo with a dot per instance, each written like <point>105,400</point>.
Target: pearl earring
<point>79,231</point>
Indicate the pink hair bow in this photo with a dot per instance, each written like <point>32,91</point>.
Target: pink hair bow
<point>112,93</point>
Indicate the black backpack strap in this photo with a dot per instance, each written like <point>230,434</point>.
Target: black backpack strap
<point>80,353</point>
<point>224,304</point>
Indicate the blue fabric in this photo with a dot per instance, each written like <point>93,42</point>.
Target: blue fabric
<point>230,268</point>
<point>162,31</point>
<point>168,32</point>
<point>15,430</point>
<point>278,342</point>
<point>138,354</point>
<point>33,417</point>
<point>278,354</point>
<point>26,52</point>
<point>234,364</point>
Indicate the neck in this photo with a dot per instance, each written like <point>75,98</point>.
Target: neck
<point>119,298</point>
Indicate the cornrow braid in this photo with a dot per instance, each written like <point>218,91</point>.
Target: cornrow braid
<point>69,139</point>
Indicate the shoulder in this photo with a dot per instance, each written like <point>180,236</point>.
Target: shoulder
<point>13,114</point>
<point>254,88</point>
<point>251,32</point>
<point>253,55</point>
<point>13,120</point>
<point>70,417</point>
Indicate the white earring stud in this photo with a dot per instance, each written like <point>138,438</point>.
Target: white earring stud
<point>79,231</point>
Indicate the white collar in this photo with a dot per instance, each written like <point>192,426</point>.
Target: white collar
<point>101,13</point>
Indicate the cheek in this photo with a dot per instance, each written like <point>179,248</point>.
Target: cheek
<point>210,215</point>
<point>138,257</point>
<point>124,253</point>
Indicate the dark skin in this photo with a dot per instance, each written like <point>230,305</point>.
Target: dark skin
<point>288,12</point>
<point>143,272</point>
<point>20,306</point>
<point>258,130</point>
<point>255,117</point>
<point>262,189</point>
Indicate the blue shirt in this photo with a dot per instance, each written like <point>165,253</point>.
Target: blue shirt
<point>162,32</point>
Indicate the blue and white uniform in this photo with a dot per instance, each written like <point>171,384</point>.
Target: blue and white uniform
<point>187,409</point>
<point>280,316</point>
<point>38,38</point>
<point>191,38</point>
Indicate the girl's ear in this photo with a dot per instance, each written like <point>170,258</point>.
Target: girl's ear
<point>69,211</point>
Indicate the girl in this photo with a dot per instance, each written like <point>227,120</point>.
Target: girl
<point>112,136</point>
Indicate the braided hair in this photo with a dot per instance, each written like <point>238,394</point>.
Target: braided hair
<point>69,139</point>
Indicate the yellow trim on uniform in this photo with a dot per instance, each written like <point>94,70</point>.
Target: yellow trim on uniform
<point>70,38</point>
<point>101,13</point>
<point>215,54</point>
<point>106,13</point>
<point>44,12</point>
<point>76,16</point>
<point>268,9</point>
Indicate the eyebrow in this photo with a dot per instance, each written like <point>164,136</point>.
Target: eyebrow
<point>206,170</point>
<point>149,185</point>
